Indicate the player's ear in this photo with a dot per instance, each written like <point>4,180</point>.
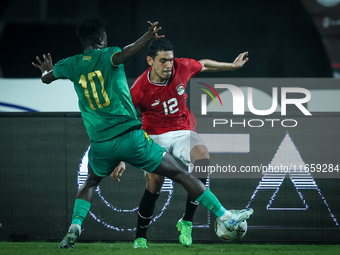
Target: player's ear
<point>101,42</point>
<point>149,60</point>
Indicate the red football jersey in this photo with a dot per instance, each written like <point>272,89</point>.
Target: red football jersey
<point>164,106</point>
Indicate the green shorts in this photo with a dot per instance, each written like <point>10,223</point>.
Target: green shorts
<point>134,147</point>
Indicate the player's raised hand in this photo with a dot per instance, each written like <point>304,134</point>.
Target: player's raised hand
<point>118,171</point>
<point>130,50</point>
<point>46,64</point>
<point>153,29</point>
<point>241,60</point>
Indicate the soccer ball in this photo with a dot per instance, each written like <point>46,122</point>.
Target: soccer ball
<point>230,236</point>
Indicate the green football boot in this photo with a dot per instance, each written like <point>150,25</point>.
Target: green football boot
<point>185,227</point>
<point>140,243</point>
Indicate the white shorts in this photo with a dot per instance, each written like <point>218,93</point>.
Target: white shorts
<point>179,143</point>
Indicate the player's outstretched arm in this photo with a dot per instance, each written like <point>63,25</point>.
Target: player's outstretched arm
<point>131,49</point>
<point>46,68</point>
<point>214,66</point>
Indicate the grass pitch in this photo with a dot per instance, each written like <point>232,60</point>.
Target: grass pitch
<point>43,248</point>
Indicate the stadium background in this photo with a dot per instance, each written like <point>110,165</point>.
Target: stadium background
<point>40,152</point>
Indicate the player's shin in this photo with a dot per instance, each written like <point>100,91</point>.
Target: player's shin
<point>191,205</point>
<point>80,210</point>
<point>211,202</point>
<point>145,212</point>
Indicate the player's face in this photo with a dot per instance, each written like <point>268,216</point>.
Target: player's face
<point>161,66</point>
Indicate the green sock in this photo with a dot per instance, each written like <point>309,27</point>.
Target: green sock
<point>80,210</point>
<point>210,201</point>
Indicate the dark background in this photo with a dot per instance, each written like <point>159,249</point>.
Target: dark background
<point>280,36</point>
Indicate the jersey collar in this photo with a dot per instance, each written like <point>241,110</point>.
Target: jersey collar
<point>157,84</point>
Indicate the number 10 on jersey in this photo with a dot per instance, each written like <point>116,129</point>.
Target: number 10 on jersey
<point>95,95</point>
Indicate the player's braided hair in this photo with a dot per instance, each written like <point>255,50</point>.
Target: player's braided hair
<point>90,29</point>
<point>159,44</point>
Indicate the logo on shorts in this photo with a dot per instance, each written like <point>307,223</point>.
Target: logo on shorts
<point>180,89</point>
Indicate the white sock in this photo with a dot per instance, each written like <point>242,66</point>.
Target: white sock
<point>226,216</point>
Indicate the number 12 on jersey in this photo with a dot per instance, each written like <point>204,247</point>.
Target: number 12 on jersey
<point>170,106</point>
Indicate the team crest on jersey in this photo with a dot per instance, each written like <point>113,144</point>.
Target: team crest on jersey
<point>180,89</point>
<point>156,102</point>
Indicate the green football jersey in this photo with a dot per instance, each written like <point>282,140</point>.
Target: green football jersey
<point>104,96</point>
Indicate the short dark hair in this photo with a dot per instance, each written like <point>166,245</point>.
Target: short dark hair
<point>159,44</point>
<point>90,29</point>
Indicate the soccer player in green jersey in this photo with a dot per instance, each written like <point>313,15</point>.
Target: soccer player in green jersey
<point>112,125</point>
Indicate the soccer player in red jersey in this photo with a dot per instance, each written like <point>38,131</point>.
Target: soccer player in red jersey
<point>160,95</point>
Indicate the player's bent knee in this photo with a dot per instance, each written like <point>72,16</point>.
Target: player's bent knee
<point>154,185</point>
<point>170,168</point>
<point>199,152</point>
